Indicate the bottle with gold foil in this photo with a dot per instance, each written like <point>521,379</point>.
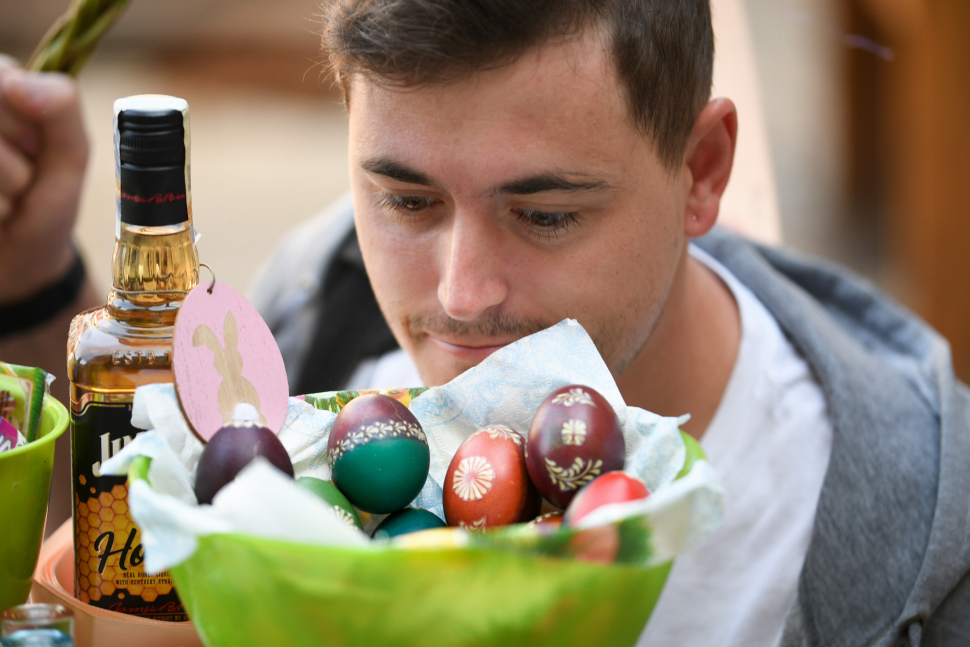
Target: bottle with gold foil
<point>127,343</point>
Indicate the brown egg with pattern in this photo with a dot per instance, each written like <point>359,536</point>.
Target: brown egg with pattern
<point>487,484</point>
<point>575,436</point>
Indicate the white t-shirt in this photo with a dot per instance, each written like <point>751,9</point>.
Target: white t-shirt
<point>769,443</point>
<point>389,371</point>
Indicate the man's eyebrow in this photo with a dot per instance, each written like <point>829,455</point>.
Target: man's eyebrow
<point>549,182</point>
<point>528,185</point>
<point>395,171</point>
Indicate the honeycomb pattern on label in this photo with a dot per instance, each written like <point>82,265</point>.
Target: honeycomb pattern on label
<point>109,512</point>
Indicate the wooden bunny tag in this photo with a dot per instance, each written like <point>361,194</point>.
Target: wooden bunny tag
<point>226,364</point>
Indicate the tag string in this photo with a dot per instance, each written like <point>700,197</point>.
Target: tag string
<point>144,292</point>
<point>213,284</point>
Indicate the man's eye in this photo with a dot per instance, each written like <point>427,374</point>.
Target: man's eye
<point>407,202</point>
<point>548,224</point>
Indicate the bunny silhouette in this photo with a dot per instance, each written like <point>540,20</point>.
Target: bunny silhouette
<point>235,389</point>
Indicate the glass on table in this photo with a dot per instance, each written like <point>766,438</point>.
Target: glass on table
<point>36,625</point>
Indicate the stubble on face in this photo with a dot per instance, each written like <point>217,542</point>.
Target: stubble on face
<point>488,326</point>
<point>619,342</point>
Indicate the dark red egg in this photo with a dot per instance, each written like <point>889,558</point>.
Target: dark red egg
<point>230,450</point>
<point>612,487</point>
<point>575,436</point>
<point>487,483</point>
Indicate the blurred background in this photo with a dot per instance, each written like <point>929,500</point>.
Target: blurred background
<point>853,140</point>
<point>865,107</point>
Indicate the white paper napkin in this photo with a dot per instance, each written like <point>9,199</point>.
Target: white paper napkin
<point>506,388</point>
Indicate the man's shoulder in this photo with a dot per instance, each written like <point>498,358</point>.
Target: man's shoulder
<point>293,273</point>
<point>838,320</point>
<point>287,290</point>
<point>893,494</point>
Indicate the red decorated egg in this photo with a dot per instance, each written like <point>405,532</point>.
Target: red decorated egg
<point>575,436</point>
<point>487,484</point>
<point>378,453</point>
<point>613,487</point>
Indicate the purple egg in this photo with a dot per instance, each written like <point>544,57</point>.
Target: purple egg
<point>230,450</point>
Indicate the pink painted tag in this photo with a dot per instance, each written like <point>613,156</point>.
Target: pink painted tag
<point>226,363</point>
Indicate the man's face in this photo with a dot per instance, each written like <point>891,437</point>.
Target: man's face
<point>496,206</point>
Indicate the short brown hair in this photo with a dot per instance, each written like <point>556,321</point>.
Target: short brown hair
<point>663,49</point>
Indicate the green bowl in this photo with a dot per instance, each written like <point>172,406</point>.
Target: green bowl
<point>297,594</point>
<point>25,489</point>
<point>302,595</point>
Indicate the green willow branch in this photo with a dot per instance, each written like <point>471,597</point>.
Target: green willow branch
<point>71,40</point>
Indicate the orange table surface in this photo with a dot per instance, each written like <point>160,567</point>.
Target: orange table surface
<point>94,627</point>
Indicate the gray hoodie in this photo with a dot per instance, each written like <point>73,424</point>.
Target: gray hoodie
<point>889,559</point>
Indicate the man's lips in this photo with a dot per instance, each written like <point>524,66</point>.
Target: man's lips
<point>469,351</point>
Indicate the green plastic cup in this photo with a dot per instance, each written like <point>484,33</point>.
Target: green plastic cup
<point>25,489</point>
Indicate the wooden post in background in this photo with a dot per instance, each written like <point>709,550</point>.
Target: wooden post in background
<point>924,126</point>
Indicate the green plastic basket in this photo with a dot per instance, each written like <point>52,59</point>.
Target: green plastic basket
<point>243,591</point>
<point>25,489</point>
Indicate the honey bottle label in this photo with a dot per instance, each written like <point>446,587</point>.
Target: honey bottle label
<point>108,555</point>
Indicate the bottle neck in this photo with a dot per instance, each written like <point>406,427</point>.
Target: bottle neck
<point>152,268</point>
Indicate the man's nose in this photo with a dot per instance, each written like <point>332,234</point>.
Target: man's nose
<point>472,279</point>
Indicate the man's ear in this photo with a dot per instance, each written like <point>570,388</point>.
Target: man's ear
<point>709,158</point>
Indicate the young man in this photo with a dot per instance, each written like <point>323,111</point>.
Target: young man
<point>517,163</point>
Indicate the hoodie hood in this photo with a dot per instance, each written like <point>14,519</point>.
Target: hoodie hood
<point>890,538</point>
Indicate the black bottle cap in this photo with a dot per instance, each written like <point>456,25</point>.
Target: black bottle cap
<point>151,135</point>
<point>151,138</point>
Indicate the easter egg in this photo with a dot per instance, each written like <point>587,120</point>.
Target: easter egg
<point>230,450</point>
<point>443,538</point>
<point>575,436</point>
<point>487,483</point>
<point>407,521</point>
<point>327,491</point>
<point>378,453</point>
<point>612,487</point>
<point>547,521</point>
<point>600,544</point>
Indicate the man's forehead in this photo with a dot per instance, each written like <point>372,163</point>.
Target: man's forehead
<point>555,116</point>
<point>571,73</point>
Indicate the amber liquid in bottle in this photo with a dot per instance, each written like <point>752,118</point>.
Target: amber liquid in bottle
<point>112,350</point>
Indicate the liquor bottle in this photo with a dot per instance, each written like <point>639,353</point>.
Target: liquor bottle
<point>128,343</point>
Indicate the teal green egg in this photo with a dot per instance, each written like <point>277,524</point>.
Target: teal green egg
<point>406,521</point>
<point>384,475</point>
<point>378,453</point>
<point>327,491</point>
